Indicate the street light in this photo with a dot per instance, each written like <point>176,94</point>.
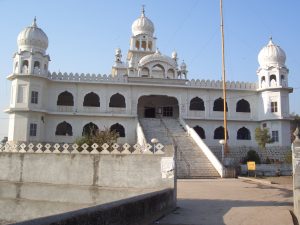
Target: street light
<point>222,142</point>
<point>154,141</point>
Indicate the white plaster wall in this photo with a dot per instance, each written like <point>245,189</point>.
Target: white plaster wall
<point>103,116</point>
<point>78,122</point>
<point>232,126</point>
<point>18,123</point>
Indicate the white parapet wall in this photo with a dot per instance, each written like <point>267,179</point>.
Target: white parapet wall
<point>66,148</point>
<point>209,154</point>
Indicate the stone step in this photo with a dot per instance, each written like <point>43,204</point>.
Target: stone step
<point>191,161</point>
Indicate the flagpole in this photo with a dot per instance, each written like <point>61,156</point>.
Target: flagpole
<point>223,78</point>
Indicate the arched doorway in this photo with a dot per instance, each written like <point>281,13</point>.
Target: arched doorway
<point>156,106</point>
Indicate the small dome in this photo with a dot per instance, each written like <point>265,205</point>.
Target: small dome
<point>142,25</point>
<point>271,55</point>
<point>32,37</point>
<point>174,55</point>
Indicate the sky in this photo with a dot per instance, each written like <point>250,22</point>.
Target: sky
<point>83,36</point>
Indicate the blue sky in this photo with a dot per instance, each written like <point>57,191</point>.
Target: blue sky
<point>83,35</point>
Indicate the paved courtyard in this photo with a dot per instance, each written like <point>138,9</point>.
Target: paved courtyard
<point>231,202</point>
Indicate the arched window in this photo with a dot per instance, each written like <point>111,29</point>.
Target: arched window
<point>272,80</point>
<point>145,72</point>
<point>158,71</point>
<point>137,44</point>
<point>24,68</point>
<point>117,100</point>
<point>90,129</point>
<point>65,98</point>
<point>64,129</point>
<point>150,45</point>
<point>243,134</point>
<point>36,64</point>
<point>200,131</point>
<point>144,45</point>
<point>197,104</point>
<point>219,133</point>
<point>170,73</point>
<point>243,106</point>
<point>25,63</point>
<point>118,128</point>
<point>219,105</point>
<point>263,82</point>
<point>91,100</point>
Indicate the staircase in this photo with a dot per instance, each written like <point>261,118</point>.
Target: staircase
<point>154,128</point>
<point>191,161</point>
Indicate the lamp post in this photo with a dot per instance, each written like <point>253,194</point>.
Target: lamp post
<point>154,141</point>
<point>222,142</point>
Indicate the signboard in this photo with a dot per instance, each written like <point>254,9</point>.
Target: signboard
<point>251,165</point>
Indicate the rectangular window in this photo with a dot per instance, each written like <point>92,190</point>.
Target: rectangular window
<point>32,129</point>
<point>274,107</point>
<point>34,97</point>
<point>275,136</point>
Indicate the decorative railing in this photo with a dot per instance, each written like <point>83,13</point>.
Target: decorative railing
<point>83,149</point>
<point>86,77</point>
<point>218,84</point>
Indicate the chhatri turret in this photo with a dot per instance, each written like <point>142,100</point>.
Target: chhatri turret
<point>274,91</point>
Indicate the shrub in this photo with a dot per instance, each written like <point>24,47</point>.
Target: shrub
<point>288,157</point>
<point>252,156</point>
<point>99,137</point>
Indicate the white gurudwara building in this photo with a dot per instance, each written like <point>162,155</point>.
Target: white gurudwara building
<point>143,88</point>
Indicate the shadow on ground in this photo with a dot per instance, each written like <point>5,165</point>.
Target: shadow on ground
<point>197,212</point>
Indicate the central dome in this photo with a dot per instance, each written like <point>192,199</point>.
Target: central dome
<point>142,25</point>
<point>33,38</point>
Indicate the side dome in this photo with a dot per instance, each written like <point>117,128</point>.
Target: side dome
<point>33,37</point>
<point>271,55</point>
<point>142,25</point>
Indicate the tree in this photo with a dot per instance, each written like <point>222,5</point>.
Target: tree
<point>262,137</point>
<point>99,137</point>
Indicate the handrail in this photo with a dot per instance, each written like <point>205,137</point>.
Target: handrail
<point>141,139</point>
<point>169,133</point>
<point>211,157</point>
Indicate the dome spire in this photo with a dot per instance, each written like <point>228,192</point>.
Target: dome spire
<point>143,11</point>
<point>271,41</point>
<point>34,22</point>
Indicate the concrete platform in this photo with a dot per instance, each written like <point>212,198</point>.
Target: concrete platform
<point>230,202</point>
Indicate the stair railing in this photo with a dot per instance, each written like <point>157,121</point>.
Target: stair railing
<point>178,150</point>
<point>209,154</point>
<point>141,139</point>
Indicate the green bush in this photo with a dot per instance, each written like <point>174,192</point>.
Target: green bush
<point>99,137</point>
<point>288,157</point>
<point>252,156</point>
